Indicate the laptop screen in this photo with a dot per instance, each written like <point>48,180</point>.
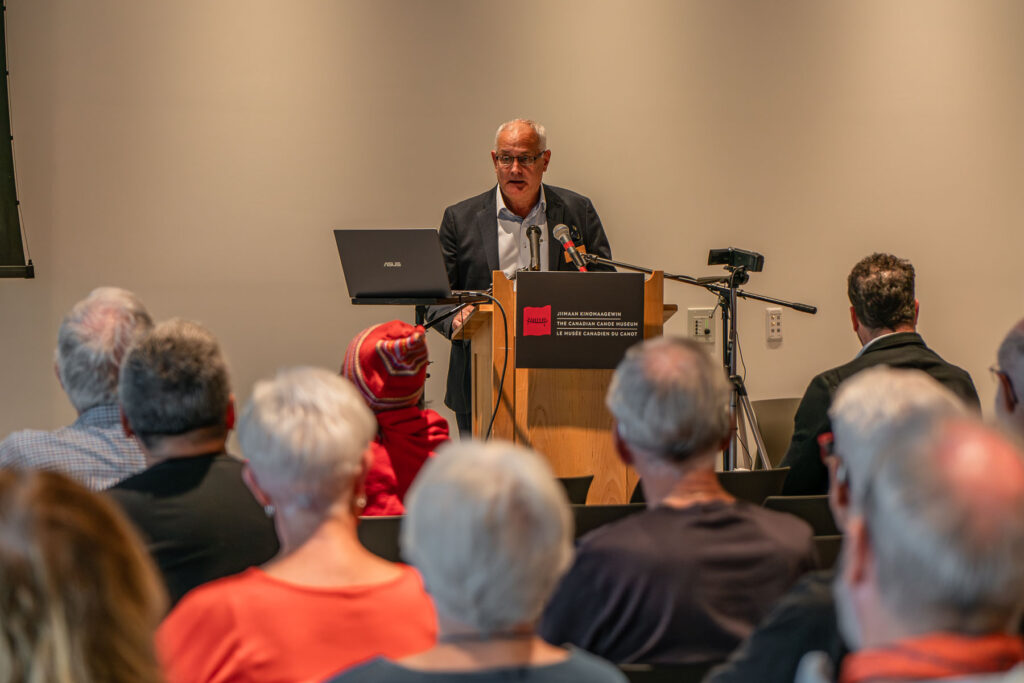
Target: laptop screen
<point>404,263</point>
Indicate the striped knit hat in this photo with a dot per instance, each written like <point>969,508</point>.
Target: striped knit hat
<point>388,363</point>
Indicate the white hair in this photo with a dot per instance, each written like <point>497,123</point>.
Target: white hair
<point>670,399</point>
<point>93,339</point>
<point>945,559</point>
<point>538,129</point>
<point>490,530</point>
<point>874,402</point>
<point>304,433</point>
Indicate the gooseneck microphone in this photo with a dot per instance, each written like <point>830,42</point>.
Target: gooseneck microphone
<point>561,233</point>
<point>533,234</point>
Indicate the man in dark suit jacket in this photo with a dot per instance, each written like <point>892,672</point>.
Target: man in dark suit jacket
<point>884,315</point>
<point>479,235</point>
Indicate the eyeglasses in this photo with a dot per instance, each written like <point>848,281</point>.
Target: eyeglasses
<point>1003,378</point>
<point>525,160</point>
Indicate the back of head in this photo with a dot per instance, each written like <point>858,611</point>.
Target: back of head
<point>93,339</point>
<point>304,433</point>
<point>670,399</point>
<point>388,364</point>
<point>881,291</point>
<point>173,381</point>
<point>80,599</point>
<point>945,513</point>
<point>490,529</point>
<point>869,406</point>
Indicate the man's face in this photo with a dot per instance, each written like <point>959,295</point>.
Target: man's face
<point>519,183</point>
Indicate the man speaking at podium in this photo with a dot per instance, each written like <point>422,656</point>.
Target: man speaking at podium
<point>489,232</point>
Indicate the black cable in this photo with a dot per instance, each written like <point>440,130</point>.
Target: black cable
<point>504,364</point>
<point>504,367</point>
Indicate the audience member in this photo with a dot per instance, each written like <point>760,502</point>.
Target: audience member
<point>197,517</point>
<point>866,409</point>
<point>80,598</point>
<point>93,338</point>
<point>1010,373</point>
<point>388,364</point>
<point>491,532</point>
<point>929,585</point>
<point>325,603</point>
<point>689,578</point>
<point>883,312</point>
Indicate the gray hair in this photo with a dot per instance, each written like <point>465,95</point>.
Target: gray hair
<point>538,129</point>
<point>93,339</point>
<point>1011,357</point>
<point>947,556</point>
<point>174,380</point>
<point>489,528</point>
<point>874,402</point>
<point>670,399</point>
<point>304,433</point>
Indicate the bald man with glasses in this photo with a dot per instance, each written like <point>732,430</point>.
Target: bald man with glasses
<point>490,232</point>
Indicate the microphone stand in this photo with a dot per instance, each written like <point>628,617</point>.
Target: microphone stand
<point>726,288</point>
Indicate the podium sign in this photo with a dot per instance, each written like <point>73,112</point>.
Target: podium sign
<point>577,320</point>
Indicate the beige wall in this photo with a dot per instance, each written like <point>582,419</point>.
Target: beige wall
<point>200,152</point>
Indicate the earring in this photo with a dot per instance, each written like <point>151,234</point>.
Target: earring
<point>361,501</point>
<point>269,510</point>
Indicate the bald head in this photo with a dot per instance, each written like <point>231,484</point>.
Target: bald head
<point>945,510</point>
<point>1011,380</point>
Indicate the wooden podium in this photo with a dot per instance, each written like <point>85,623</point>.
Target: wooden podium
<point>560,413</point>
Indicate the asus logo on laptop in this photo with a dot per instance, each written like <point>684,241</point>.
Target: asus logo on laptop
<point>392,264</point>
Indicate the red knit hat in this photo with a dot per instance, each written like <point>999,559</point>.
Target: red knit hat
<point>388,363</point>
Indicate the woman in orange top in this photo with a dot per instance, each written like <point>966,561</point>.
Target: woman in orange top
<point>325,602</point>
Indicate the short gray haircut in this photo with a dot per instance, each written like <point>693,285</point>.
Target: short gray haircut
<point>947,557</point>
<point>304,433</point>
<point>538,129</point>
<point>489,528</point>
<point>874,402</point>
<point>1011,357</point>
<point>93,339</point>
<point>670,399</point>
<point>174,380</point>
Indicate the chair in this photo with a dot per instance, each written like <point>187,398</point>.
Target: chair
<point>828,550</point>
<point>379,535</point>
<point>577,488</point>
<point>812,509</point>
<point>752,486</point>
<point>775,418</point>
<point>589,517</point>
<point>667,673</point>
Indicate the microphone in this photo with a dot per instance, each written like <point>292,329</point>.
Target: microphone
<point>533,233</point>
<point>561,233</point>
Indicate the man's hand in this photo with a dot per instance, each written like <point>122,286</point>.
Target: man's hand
<point>459,319</point>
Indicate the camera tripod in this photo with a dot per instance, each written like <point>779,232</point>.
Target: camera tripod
<point>727,289</point>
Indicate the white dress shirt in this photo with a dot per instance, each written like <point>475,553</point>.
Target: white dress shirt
<point>513,242</point>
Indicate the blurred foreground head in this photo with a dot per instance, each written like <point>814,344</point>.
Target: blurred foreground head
<point>940,543</point>
<point>80,599</point>
<point>490,529</point>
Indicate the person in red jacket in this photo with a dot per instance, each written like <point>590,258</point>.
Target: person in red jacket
<point>388,364</point>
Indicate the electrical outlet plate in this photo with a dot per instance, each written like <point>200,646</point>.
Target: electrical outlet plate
<point>773,323</point>
<point>700,324</point>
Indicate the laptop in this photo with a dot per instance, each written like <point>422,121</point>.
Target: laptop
<point>393,264</point>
